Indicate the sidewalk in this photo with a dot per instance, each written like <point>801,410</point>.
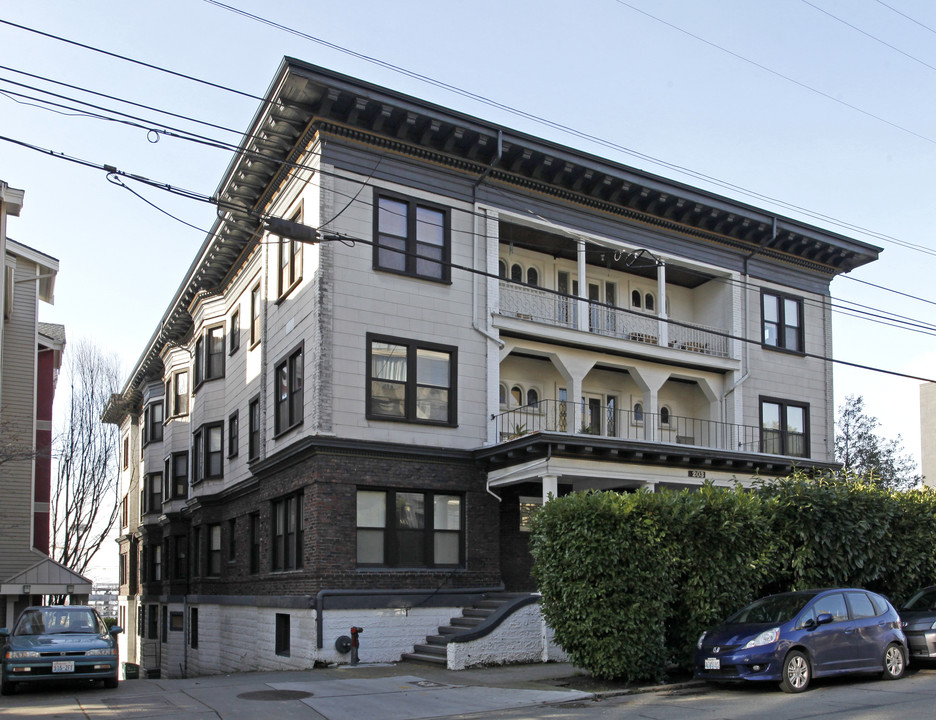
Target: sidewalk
<point>398,691</point>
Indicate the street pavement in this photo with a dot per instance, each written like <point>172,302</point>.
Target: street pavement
<point>399,691</point>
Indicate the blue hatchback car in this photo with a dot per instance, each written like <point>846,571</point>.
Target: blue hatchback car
<point>793,637</point>
<point>58,642</point>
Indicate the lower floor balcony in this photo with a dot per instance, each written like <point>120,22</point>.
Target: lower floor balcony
<point>609,421</point>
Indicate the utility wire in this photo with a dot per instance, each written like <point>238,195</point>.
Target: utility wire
<point>902,14</point>
<point>520,113</point>
<point>354,240</point>
<point>869,35</point>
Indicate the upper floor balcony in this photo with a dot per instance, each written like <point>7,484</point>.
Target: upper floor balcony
<point>627,300</point>
<point>557,310</point>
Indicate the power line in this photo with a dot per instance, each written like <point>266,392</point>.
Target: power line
<point>353,240</point>
<point>903,14</point>
<point>869,35</point>
<point>520,113</point>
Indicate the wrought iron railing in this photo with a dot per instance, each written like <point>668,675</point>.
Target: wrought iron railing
<point>557,416</point>
<point>530,303</point>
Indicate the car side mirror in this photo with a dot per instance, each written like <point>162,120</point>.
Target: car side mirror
<point>824,618</point>
<point>116,630</point>
<point>809,623</point>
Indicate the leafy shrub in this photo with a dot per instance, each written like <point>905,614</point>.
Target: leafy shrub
<point>629,581</point>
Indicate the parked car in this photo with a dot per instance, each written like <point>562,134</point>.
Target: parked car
<point>919,623</point>
<point>793,637</point>
<point>58,642</point>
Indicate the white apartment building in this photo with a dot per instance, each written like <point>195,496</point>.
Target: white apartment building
<point>346,421</point>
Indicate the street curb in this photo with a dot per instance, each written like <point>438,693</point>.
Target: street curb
<point>601,695</point>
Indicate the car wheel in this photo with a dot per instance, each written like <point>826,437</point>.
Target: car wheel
<point>796,672</point>
<point>894,662</point>
<point>7,687</point>
<point>110,683</point>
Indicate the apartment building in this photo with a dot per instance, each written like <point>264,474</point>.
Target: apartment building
<point>407,329</point>
<point>30,358</point>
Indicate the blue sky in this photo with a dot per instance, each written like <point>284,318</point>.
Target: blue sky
<point>779,99</point>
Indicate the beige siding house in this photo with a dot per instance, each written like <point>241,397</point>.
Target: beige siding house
<point>408,329</point>
<point>30,356</point>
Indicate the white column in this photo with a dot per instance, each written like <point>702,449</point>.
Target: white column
<point>661,305</point>
<point>582,303</point>
<point>550,487</point>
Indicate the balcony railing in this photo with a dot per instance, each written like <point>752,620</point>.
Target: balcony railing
<point>530,303</point>
<point>558,416</point>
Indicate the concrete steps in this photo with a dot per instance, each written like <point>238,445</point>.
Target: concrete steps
<point>434,650</point>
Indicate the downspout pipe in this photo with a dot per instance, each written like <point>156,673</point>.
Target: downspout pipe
<point>477,233</point>
<point>744,314</point>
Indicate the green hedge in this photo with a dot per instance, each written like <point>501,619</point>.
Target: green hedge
<point>629,581</point>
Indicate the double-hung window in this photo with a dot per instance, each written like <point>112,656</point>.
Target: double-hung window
<point>153,422</point>
<point>288,388</point>
<point>207,449</point>
<point>176,477</point>
<point>214,550</point>
<point>177,393</point>
<point>233,434</point>
<point>784,427</point>
<point>402,528</point>
<point>234,331</point>
<point>411,381</point>
<point>253,430</point>
<point>290,263</point>
<point>287,533</point>
<point>412,238</point>
<point>255,308</point>
<point>152,492</point>
<point>782,322</point>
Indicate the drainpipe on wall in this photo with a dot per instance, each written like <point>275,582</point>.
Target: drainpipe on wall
<point>477,233</point>
<point>744,315</point>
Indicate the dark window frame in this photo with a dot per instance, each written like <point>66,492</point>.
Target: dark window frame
<point>234,332</point>
<point>254,428</point>
<point>202,454</point>
<point>152,493</point>
<point>411,383</point>
<point>287,540</point>
<point>213,547</point>
<point>411,255</point>
<point>392,530</point>
<point>256,319</point>
<point>153,427</point>
<point>784,434</point>
<point>289,263</point>
<point>281,644</point>
<point>193,627</point>
<point>177,405</point>
<point>292,405</point>
<point>255,534</point>
<point>178,483</point>
<point>233,434</point>
<point>781,323</point>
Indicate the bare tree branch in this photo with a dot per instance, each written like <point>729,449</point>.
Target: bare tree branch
<point>86,498</point>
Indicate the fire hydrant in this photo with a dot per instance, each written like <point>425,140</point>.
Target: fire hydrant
<point>355,644</point>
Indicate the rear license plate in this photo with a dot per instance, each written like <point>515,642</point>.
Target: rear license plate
<point>63,666</point>
<point>712,664</point>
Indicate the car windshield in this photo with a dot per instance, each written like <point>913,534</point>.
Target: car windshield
<point>58,621</point>
<point>772,609</point>
<point>923,600</point>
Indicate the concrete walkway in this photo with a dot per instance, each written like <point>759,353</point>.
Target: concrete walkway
<point>399,691</point>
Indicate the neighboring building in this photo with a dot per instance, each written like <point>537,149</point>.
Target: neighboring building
<point>354,431</point>
<point>928,433</point>
<point>30,357</point>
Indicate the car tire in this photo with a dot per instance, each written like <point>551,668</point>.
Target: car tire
<point>110,683</point>
<point>796,672</point>
<point>895,662</point>
<point>7,687</point>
